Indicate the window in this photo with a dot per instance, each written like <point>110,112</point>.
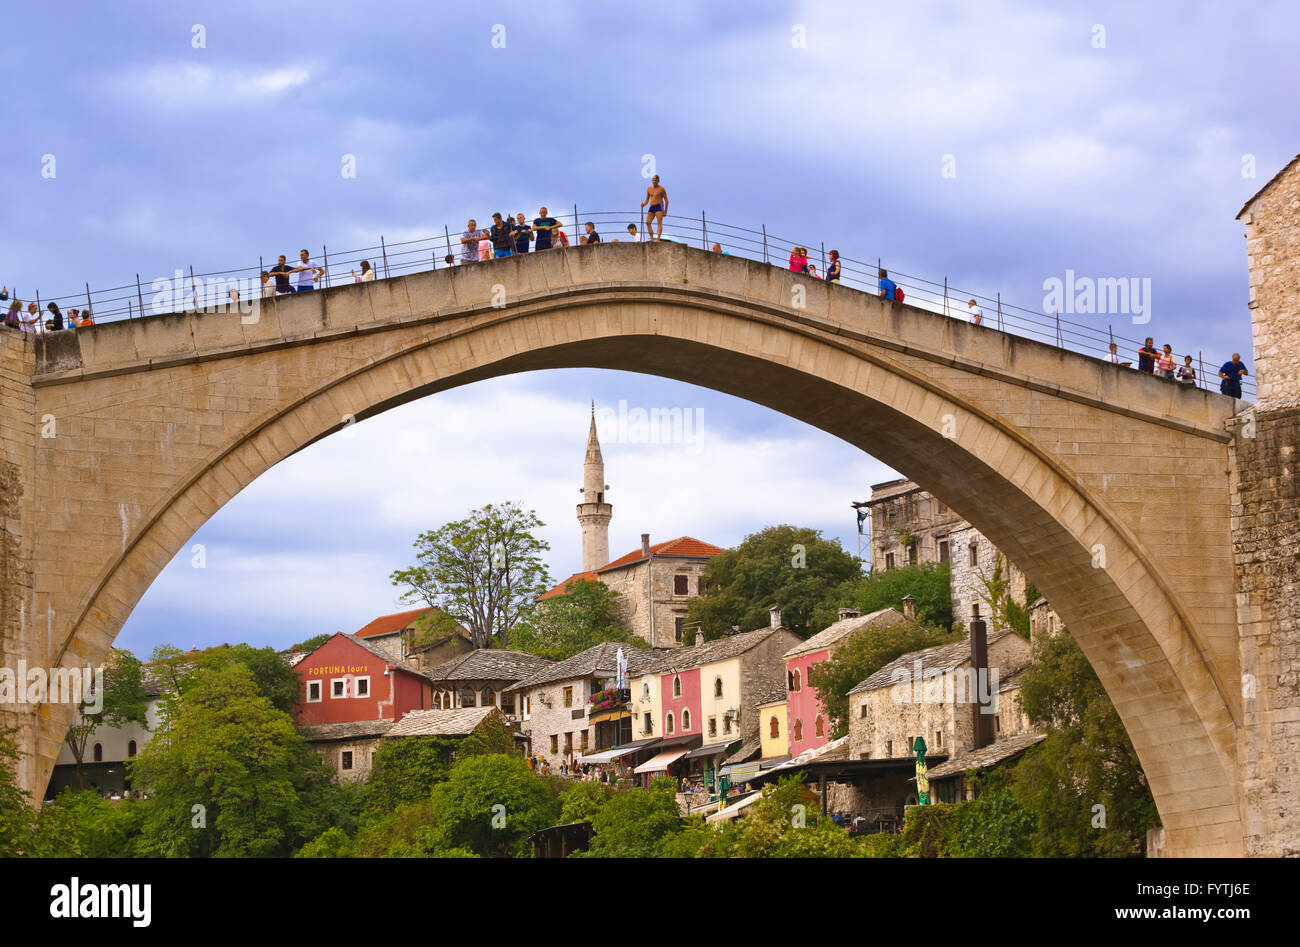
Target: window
<point>819,727</point>
<point>584,741</point>
<point>862,712</point>
<point>507,703</point>
<point>647,726</point>
<point>489,697</point>
<point>889,747</point>
<point>699,585</point>
<point>997,723</point>
<point>726,724</point>
<point>645,691</point>
<point>555,743</point>
<point>909,508</point>
<point>889,560</point>
<point>363,687</point>
<point>681,585</point>
<point>313,692</point>
<point>911,554</point>
<point>713,726</point>
<point>798,730</point>
<point>346,760</point>
<point>677,687</point>
<point>686,720</point>
<point>338,687</point>
<point>668,727</point>
<point>789,680</point>
<point>678,623</point>
<point>798,683</point>
<point>943,550</point>
<point>938,739</point>
<point>468,698</point>
<point>437,701</point>
<point>568,742</point>
<point>99,753</point>
<point>130,748</point>
<point>974,551</point>
<point>568,697</point>
<point>774,728</point>
<point>717,687</point>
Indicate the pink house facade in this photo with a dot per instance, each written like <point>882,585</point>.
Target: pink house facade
<point>680,703</point>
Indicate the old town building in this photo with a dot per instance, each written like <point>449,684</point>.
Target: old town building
<point>421,636</point>
<point>483,678</point>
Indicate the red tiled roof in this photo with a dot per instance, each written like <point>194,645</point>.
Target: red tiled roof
<point>683,547</point>
<point>563,587</point>
<point>389,624</point>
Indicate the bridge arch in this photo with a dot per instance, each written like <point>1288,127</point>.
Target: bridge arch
<point>991,425</point>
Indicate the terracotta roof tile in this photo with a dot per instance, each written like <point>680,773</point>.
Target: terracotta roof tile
<point>389,624</point>
<point>683,547</point>
<point>563,587</point>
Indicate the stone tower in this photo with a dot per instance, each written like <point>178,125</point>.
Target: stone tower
<point>593,512</point>
<point>1266,524</point>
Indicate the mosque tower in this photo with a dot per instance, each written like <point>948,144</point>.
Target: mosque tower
<point>593,512</point>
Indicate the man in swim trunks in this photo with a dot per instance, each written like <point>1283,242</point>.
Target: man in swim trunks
<point>657,197</point>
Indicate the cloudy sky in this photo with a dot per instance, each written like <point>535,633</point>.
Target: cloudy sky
<point>996,144</point>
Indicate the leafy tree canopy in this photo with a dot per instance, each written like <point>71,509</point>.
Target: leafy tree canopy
<point>490,804</point>
<point>484,572</point>
<point>926,583</point>
<point>636,823</point>
<point>586,615</point>
<point>789,566</point>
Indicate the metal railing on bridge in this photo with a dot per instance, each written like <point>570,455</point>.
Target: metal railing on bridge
<point>209,290</point>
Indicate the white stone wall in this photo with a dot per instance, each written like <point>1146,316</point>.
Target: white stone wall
<point>542,721</point>
<point>639,599</point>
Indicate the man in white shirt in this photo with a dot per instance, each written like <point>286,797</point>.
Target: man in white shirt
<point>307,272</point>
<point>976,313</point>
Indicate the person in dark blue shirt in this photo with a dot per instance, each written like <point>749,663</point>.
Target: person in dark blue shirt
<point>887,286</point>
<point>1232,372</point>
<point>523,234</point>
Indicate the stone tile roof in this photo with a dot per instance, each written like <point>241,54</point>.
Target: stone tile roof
<point>746,752</point>
<point>488,664</point>
<point>938,659</point>
<point>833,634</point>
<point>596,660</point>
<point>985,756</point>
<point>768,692</point>
<point>350,730</point>
<point>684,547</point>
<point>441,723</point>
<point>679,659</point>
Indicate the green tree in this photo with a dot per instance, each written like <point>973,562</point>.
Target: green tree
<point>789,566</point>
<point>273,677</point>
<point>86,825</point>
<point>581,801</point>
<point>227,773</point>
<point>123,700</point>
<point>782,823</point>
<point>491,804</point>
<point>312,643</point>
<point>862,654</point>
<point>586,615</point>
<point>332,843</point>
<point>927,584</point>
<point>1004,610</point>
<point>636,823</point>
<point>1086,762</point>
<point>17,818</point>
<point>484,572</point>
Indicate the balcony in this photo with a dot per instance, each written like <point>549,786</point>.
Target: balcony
<point>606,702</point>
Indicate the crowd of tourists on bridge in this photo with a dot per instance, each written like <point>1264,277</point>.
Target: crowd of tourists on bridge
<point>511,235</point>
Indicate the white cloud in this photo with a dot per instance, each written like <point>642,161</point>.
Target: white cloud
<point>197,86</point>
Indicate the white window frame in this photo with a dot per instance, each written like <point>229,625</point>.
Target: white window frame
<point>357,689</point>
<point>686,720</point>
<point>669,724</point>
<point>353,767</point>
<point>320,691</point>
<point>334,681</point>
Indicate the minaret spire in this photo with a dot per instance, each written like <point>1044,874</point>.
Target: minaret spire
<point>594,513</point>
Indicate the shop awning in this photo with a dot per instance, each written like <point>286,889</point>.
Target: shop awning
<point>608,756</point>
<point>737,773</point>
<point>660,762</point>
<point>607,715</point>
<point>735,809</point>
<point>713,749</point>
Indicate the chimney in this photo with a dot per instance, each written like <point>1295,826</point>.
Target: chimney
<point>849,613</point>
<point>645,545</point>
<point>775,612</point>
<point>909,607</point>
<point>982,731</point>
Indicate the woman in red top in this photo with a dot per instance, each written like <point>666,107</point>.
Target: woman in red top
<point>799,260</point>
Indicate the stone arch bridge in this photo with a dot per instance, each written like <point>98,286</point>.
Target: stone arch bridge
<point>1111,490</point>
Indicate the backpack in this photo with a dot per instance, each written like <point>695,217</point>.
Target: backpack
<point>898,294</point>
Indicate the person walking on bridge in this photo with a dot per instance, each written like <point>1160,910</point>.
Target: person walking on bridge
<point>1232,372</point>
<point>657,197</point>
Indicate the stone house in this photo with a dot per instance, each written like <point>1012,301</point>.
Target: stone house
<point>931,693</point>
<point>444,723</point>
<point>555,707</point>
<point>348,746</point>
<point>406,636</point>
<point>483,678</point>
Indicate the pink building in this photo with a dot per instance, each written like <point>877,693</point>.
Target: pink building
<point>807,721</point>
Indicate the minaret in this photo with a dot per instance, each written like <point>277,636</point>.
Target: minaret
<point>593,512</point>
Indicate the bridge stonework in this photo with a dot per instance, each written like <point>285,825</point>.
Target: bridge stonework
<point>1110,489</point>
